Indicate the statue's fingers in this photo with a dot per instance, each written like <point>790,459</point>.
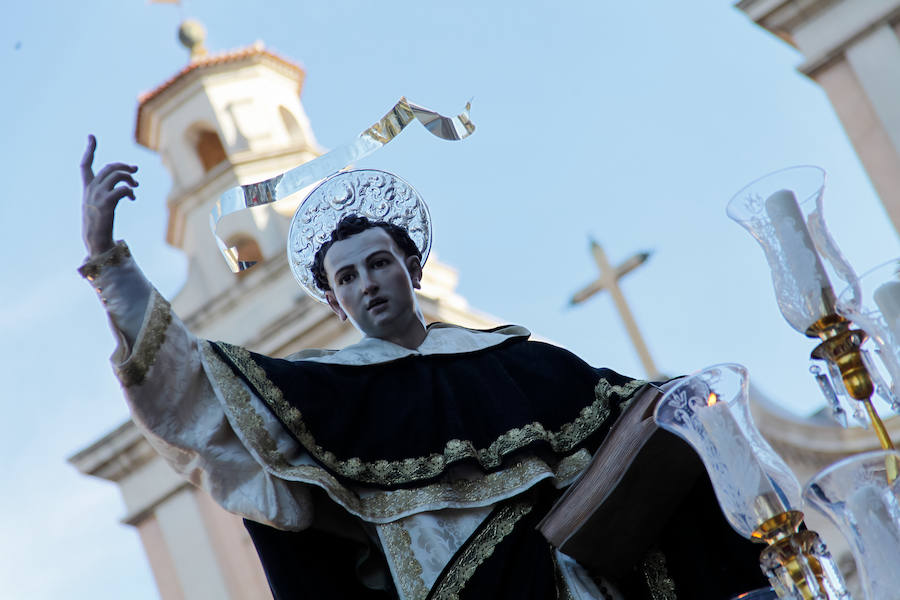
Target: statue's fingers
<point>119,177</point>
<point>87,160</point>
<point>112,168</point>
<point>118,193</point>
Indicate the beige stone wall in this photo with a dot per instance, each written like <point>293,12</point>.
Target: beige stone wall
<point>879,156</point>
<point>160,559</point>
<point>244,576</point>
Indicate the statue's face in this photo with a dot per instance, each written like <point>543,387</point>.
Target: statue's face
<point>372,284</point>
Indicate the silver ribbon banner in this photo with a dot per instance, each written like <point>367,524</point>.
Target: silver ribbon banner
<point>281,186</point>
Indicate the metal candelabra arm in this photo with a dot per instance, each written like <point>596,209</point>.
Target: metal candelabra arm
<point>841,345</point>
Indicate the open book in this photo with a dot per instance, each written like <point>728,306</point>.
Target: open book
<point>614,511</point>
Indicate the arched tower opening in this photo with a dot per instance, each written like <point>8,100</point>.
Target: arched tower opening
<point>207,145</point>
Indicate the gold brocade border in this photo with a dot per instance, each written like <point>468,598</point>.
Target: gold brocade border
<point>93,266</point>
<point>379,506</point>
<point>476,551</point>
<point>134,370</point>
<point>409,571</point>
<point>660,585</point>
<point>409,470</point>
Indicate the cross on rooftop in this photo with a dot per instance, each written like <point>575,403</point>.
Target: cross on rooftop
<point>609,280</point>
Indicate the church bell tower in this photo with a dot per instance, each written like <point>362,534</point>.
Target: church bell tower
<point>224,120</point>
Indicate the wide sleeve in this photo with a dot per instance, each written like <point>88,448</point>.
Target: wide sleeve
<point>182,413</point>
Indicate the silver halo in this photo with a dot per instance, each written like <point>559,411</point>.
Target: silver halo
<point>376,195</point>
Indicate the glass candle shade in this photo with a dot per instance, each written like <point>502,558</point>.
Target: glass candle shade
<point>783,212</point>
<point>878,314</point>
<point>856,495</point>
<point>710,411</point>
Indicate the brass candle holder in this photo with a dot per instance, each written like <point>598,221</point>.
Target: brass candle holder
<point>797,563</point>
<point>841,346</point>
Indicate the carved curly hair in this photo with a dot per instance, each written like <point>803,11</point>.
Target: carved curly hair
<point>351,225</point>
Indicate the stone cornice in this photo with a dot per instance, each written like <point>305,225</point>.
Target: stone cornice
<point>116,455</point>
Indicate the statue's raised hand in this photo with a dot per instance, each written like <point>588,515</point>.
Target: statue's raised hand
<point>102,193</point>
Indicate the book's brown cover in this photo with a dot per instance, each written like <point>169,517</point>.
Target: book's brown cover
<point>607,523</point>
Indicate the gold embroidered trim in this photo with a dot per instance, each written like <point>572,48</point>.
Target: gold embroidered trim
<point>384,472</point>
<point>239,408</point>
<point>409,572</point>
<point>134,370</point>
<point>379,506</point>
<point>606,390</point>
<point>116,255</point>
<point>661,586</point>
<point>476,551</point>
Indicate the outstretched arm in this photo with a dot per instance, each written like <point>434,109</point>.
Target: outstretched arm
<point>160,367</point>
<point>122,287</point>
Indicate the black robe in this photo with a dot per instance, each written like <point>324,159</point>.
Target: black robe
<point>409,422</point>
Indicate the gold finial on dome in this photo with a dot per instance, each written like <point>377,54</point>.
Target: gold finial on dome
<point>192,34</point>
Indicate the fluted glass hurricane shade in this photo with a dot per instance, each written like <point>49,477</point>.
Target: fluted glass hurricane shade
<point>856,495</point>
<point>783,212</point>
<point>710,411</point>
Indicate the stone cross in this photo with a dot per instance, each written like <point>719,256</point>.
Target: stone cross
<point>609,280</point>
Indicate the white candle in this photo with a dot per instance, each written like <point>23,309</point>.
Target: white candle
<point>800,262</point>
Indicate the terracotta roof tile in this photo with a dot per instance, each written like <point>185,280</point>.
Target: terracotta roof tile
<point>256,49</point>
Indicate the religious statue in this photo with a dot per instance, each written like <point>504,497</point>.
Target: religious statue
<point>413,464</point>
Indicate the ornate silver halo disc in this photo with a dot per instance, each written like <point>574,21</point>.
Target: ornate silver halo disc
<point>376,195</point>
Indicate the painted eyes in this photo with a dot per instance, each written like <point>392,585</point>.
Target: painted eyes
<point>375,263</point>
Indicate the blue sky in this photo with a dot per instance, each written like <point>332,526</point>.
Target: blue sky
<point>631,122</point>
